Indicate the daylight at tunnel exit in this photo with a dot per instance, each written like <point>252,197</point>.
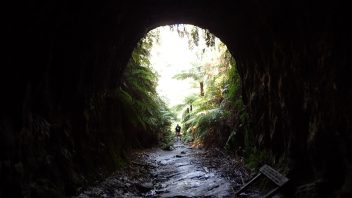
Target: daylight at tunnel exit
<point>187,98</point>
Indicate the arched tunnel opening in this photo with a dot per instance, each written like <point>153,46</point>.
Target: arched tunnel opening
<point>60,122</point>
<point>188,75</point>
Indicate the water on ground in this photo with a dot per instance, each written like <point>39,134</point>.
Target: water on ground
<point>180,172</point>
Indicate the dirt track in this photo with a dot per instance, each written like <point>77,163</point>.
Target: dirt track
<point>181,172</point>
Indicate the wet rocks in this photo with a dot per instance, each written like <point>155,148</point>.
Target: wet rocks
<point>160,173</point>
<point>145,187</point>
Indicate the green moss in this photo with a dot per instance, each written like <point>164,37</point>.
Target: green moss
<point>258,158</point>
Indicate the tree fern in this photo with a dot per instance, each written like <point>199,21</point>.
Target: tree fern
<point>141,106</point>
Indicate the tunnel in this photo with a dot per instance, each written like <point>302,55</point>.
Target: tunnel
<point>58,124</point>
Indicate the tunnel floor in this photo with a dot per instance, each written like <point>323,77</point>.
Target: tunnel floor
<point>181,172</point>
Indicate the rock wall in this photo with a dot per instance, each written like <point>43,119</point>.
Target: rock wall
<point>59,124</point>
<point>296,84</point>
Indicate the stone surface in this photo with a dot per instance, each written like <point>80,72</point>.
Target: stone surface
<point>167,176</point>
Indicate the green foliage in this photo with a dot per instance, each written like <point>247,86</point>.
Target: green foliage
<point>207,120</point>
<point>219,116</point>
<point>189,100</point>
<point>141,106</point>
<point>233,88</point>
<point>258,158</point>
<point>194,34</point>
<point>188,74</point>
<point>209,38</point>
<point>212,119</point>
<point>241,136</point>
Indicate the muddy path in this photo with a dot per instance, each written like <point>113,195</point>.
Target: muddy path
<point>181,172</point>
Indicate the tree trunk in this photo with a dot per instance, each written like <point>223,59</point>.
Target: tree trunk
<point>201,88</point>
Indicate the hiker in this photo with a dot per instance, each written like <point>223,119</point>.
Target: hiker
<point>178,130</point>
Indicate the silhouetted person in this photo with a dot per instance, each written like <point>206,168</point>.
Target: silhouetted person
<point>178,131</point>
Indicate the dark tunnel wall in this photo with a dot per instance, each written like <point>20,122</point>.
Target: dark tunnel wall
<point>59,126</point>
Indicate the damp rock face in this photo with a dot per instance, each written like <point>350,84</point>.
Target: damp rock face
<point>61,129</point>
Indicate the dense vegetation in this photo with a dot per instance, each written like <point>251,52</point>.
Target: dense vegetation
<point>144,111</point>
<point>216,116</point>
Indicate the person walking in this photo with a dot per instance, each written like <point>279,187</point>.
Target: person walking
<point>178,132</point>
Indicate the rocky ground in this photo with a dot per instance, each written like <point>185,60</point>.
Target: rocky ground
<point>182,171</point>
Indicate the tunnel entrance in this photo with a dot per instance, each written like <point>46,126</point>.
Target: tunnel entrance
<point>183,75</point>
<point>193,76</point>
<point>62,122</point>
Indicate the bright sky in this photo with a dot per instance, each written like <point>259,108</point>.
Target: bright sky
<point>169,58</point>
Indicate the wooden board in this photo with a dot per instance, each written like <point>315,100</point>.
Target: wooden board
<point>271,174</point>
